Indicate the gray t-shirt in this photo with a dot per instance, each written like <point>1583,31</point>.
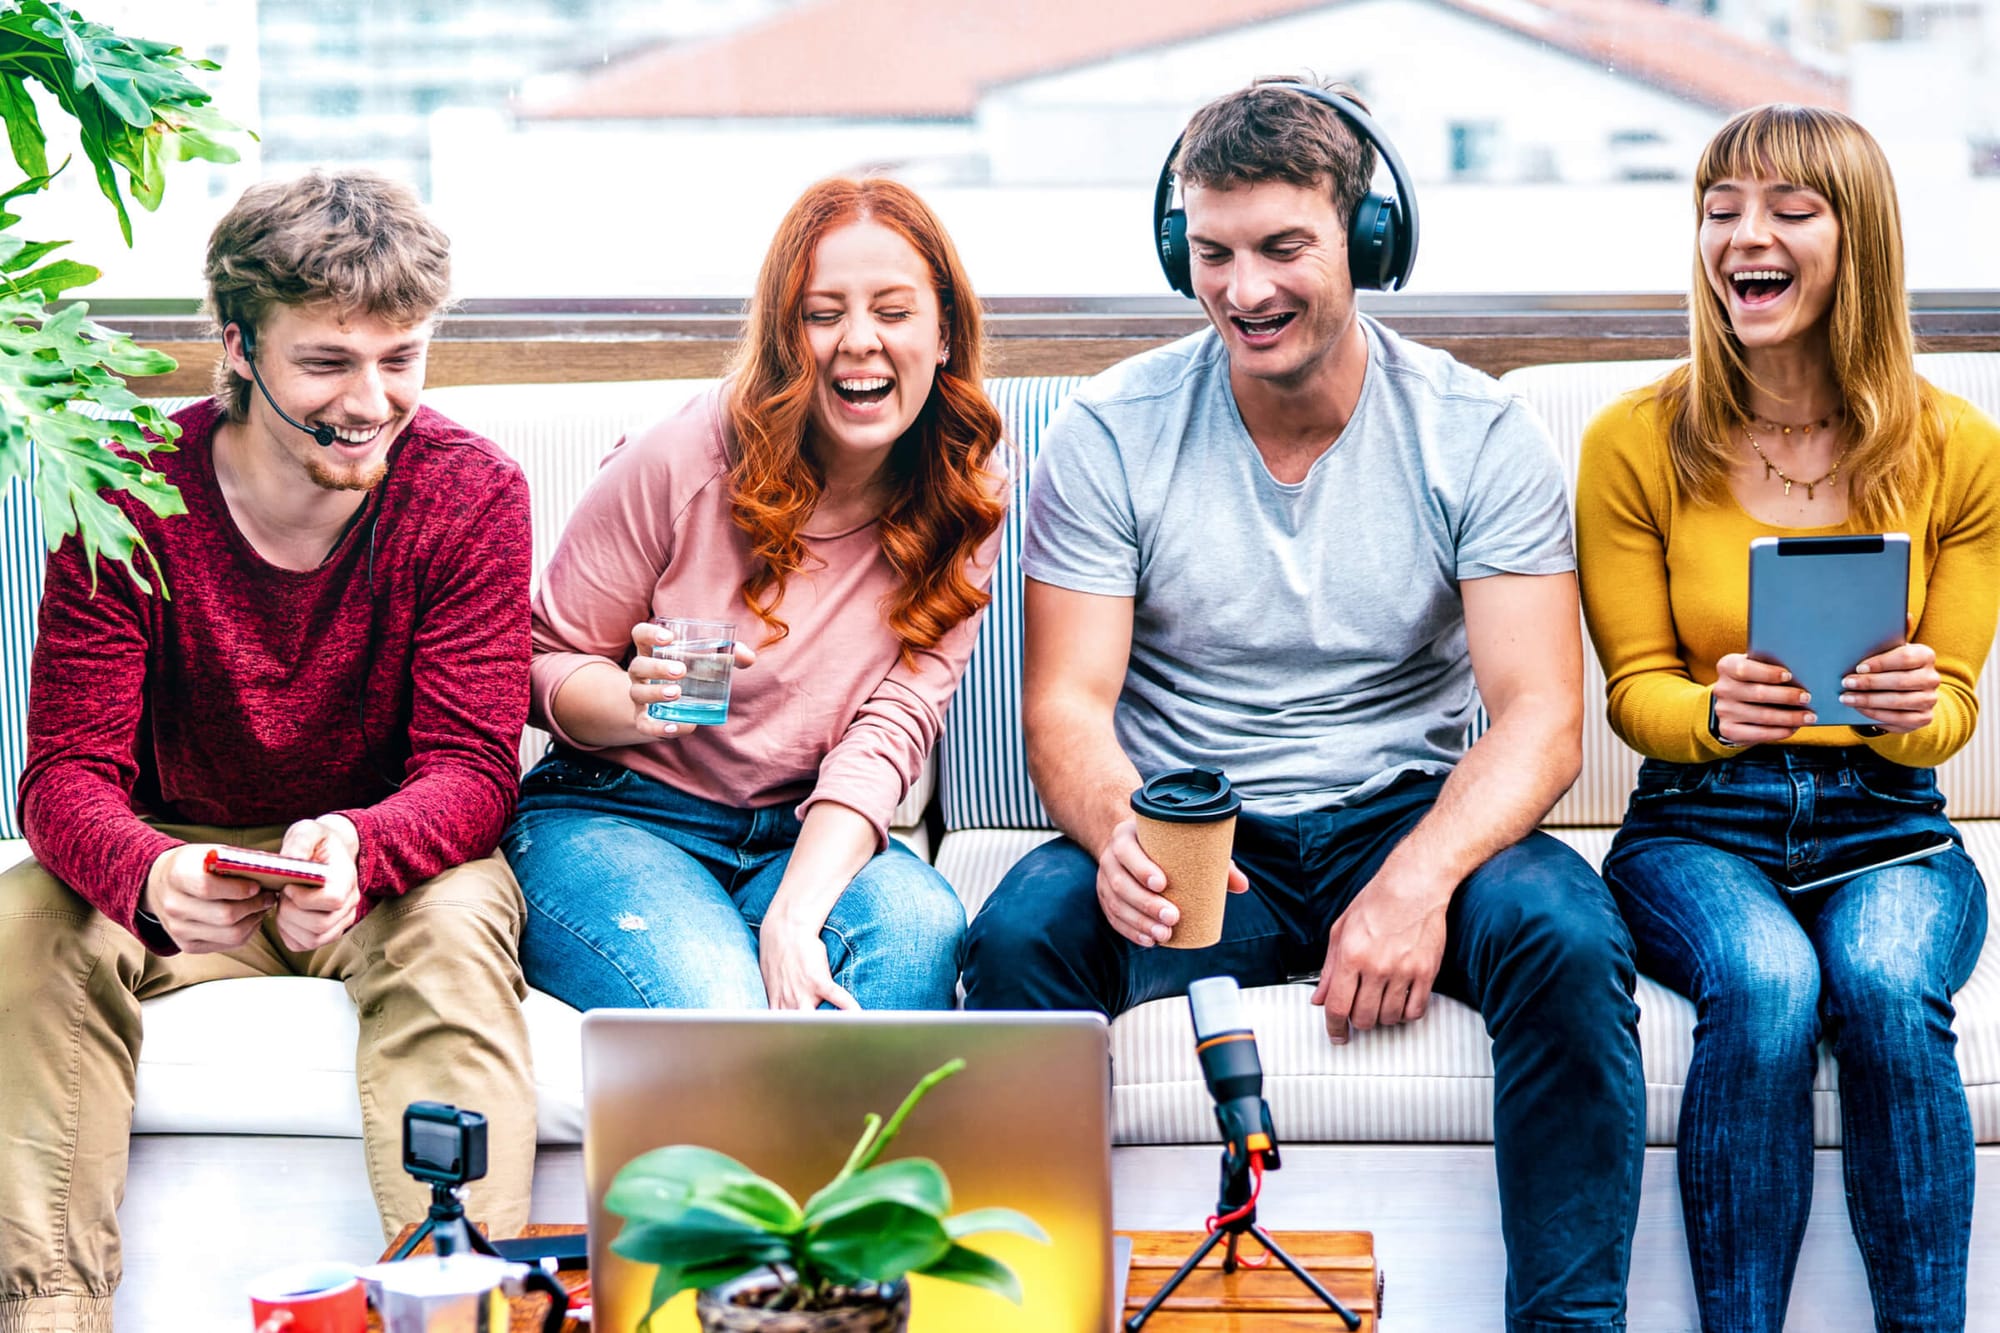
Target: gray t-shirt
<point>1307,639</point>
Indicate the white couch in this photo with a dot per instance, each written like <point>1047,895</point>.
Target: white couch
<point>216,1133</point>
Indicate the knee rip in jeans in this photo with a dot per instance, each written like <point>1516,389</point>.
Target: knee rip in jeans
<point>631,923</point>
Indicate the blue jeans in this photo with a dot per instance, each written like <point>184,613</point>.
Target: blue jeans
<point>642,896</point>
<point>1533,941</point>
<point>1872,961</point>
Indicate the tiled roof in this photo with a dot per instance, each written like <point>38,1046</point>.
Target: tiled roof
<point>871,59</point>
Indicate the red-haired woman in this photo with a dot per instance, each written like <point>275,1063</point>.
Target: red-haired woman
<point>839,499</point>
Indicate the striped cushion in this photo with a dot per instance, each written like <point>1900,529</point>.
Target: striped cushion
<point>22,556</point>
<point>984,766</point>
<point>1432,1081</point>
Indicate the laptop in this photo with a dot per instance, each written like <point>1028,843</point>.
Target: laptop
<point>1025,1125</point>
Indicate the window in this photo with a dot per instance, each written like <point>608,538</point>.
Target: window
<point>1472,148</point>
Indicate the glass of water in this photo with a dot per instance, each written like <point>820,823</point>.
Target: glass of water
<point>708,649</point>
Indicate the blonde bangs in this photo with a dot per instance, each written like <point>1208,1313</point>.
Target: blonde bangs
<point>1890,427</point>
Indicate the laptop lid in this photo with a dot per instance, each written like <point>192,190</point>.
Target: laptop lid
<point>1025,1125</point>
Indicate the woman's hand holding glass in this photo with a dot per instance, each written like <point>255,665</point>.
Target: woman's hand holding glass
<point>657,680</point>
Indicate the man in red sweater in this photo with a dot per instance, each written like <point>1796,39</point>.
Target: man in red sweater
<point>340,674</point>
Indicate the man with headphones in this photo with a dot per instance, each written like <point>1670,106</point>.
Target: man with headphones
<point>1288,548</point>
<point>330,664</point>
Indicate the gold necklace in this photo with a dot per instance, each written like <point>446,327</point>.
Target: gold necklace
<point>1771,468</point>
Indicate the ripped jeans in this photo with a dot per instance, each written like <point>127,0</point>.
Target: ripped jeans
<point>642,896</point>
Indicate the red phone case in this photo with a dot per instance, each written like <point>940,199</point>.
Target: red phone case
<point>269,870</point>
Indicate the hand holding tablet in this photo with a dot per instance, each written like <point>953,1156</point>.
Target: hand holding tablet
<point>1828,627</point>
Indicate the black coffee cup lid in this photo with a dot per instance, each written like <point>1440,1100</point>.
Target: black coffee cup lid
<point>1187,796</point>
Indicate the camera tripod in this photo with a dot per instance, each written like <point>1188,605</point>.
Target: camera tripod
<point>1236,1217</point>
<point>447,1225</point>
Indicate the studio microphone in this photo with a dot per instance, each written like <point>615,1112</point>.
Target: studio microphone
<point>1235,1076</point>
<point>323,434</point>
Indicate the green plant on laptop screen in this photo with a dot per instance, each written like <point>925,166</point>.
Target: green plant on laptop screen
<point>135,108</point>
<point>705,1219</point>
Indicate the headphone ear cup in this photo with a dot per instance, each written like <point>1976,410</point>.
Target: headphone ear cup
<point>1175,261</point>
<point>1372,242</point>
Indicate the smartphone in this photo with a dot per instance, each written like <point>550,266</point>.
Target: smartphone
<point>268,869</point>
<point>1895,852</point>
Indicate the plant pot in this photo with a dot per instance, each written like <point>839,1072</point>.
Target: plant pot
<point>872,1310</point>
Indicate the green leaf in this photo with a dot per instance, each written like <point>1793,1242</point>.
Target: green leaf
<point>53,280</point>
<point>993,1219</point>
<point>916,1182</point>
<point>959,1264</point>
<point>696,1236</point>
<point>877,1243</point>
<point>17,254</point>
<point>24,126</point>
<point>686,1176</point>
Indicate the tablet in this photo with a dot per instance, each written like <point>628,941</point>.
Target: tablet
<point>1819,606</point>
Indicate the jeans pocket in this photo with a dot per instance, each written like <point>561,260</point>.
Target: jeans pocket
<point>1895,784</point>
<point>571,770</point>
<point>1659,779</point>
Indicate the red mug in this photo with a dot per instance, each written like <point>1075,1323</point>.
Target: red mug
<point>309,1298</point>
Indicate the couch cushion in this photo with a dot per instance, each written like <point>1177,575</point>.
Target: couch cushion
<point>1431,1081</point>
<point>983,764</point>
<point>275,1055</point>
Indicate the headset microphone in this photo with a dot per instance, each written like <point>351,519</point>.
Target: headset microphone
<point>323,434</point>
<point>1228,1051</point>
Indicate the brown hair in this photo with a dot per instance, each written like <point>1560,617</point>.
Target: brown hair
<point>1271,133</point>
<point>352,240</point>
<point>1892,423</point>
<point>947,503</point>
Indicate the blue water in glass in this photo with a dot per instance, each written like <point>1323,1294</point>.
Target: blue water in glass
<point>704,700</point>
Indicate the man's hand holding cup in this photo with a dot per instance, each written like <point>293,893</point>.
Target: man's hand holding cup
<point>1163,876</point>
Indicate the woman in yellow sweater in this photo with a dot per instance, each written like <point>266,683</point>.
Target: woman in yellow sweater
<point>1800,412</point>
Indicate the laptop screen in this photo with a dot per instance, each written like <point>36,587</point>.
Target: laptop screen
<point>1026,1125</point>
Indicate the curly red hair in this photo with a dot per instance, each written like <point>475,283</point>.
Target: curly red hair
<point>947,502</point>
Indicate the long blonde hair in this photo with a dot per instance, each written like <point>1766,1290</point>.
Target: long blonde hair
<point>1892,425</point>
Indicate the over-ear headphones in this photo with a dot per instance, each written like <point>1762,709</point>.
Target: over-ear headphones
<point>1381,236</point>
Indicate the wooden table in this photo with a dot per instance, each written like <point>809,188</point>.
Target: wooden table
<point>1261,1300</point>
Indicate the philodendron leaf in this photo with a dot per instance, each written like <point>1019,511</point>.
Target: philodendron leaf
<point>878,1243</point>
<point>959,1264</point>
<point>52,280</point>
<point>915,1181</point>
<point>993,1219</point>
<point>684,1176</point>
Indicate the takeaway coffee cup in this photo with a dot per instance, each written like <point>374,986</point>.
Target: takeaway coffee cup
<point>1187,824</point>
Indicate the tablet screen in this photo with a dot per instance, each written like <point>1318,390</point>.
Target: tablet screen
<point>1819,606</point>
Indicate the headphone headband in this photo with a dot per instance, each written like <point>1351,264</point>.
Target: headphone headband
<point>1381,236</point>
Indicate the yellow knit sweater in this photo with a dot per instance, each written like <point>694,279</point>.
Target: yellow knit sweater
<point>1666,583</point>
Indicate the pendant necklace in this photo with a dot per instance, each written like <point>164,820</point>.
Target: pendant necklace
<point>1808,430</point>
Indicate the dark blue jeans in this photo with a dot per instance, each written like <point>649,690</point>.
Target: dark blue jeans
<point>642,896</point>
<point>1533,941</point>
<point>1872,962</point>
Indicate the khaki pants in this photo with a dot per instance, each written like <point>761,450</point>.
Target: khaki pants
<point>435,976</point>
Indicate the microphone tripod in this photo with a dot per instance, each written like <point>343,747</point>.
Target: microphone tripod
<point>1236,1213</point>
<point>1227,1049</point>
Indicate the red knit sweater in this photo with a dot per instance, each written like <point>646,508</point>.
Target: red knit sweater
<point>259,695</point>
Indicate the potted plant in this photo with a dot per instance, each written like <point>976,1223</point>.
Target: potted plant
<point>837,1265</point>
<point>62,393</point>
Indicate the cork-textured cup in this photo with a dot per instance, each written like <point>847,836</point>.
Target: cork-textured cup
<point>1187,826</point>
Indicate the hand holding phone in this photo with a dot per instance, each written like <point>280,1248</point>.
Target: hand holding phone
<point>312,915</point>
<point>199,911</point>
<point>266,868</point>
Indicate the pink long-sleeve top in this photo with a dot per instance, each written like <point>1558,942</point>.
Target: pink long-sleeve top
<point>828,713</point>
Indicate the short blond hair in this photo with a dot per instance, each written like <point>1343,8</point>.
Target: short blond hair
<point>354,241</point>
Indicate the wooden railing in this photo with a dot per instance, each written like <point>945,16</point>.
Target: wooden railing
<point>506,342</point>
